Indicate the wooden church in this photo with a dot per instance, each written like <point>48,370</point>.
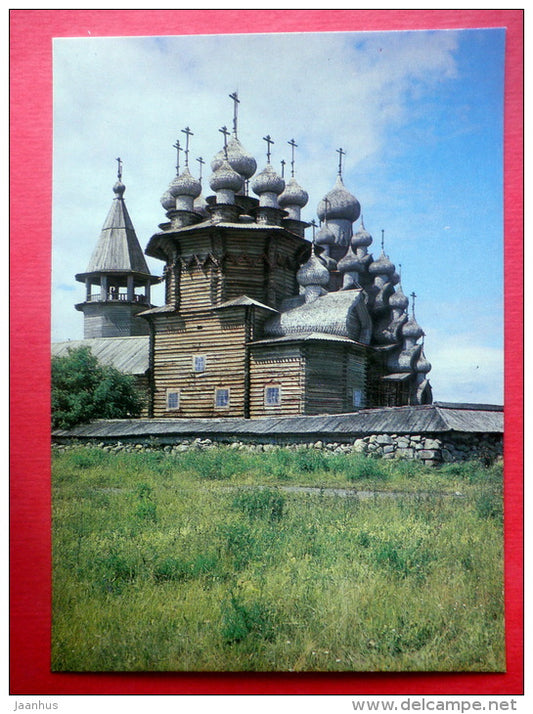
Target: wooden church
<point>258,320</point>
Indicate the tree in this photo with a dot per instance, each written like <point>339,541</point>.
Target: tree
<point>83,389</point>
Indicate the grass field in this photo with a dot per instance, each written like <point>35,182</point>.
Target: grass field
<point>214,561</point>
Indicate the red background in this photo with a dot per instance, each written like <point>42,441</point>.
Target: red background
<point>31,32</point>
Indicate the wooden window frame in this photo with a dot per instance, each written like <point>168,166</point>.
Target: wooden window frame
<point>194,358</point>
<point>359,392</point>
<point>268,404</point>
<point>170,392</point>
<point>222,406</point>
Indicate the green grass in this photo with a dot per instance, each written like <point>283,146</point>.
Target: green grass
<point>204,560</point>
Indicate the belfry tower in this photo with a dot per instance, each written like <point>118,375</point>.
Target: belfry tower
<point>119,272</point>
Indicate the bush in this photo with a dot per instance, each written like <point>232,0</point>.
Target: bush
<point>83,389</point>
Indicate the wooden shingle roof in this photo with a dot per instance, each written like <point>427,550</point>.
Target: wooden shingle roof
<point>341,313</point>
<point>243,301</point>
<point>118,248</point>
<point>127,354</point>
<point>430,419</point>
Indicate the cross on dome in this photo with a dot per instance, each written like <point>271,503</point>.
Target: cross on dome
<point>293,145</point>
<point>313,224</point>
<point>236,102</point>
<point>201,162</point>
<point>269,141</point>
<point>225,131</point>
<point>119,168</point>
<point>188,133</point>
<point>178,148</point>
<point>341,153</point>
<point>283,162</point>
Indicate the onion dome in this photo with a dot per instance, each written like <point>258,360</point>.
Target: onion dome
<point>340,204</point>
<point>398,300</point>
<point>293,195</point>
<point>381,266</point>
<point>185,185</point>
<point>314,272</point>
<point>350,263</point>
<point>238,158</point>
<point>119,189</point>
<point>200,205</point>
<point>412,329</point>
<point>325,236</point>
<point>328,261</point>
<point>422,365</point>
<point>168,201</point>
<point>366,260</point>
<point>225,178</point>
<point>268,181</point>
<point>362,237</point>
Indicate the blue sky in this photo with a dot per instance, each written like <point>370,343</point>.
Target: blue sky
<point>420,115</point>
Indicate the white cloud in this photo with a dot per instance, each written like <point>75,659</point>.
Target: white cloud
<point>464,370</point>
<point>328,90</point>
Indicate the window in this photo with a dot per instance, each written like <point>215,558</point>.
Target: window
<point>357,397</point>
<point>173,400</point>
<point>198,363</point>
<point>272,395</point>
<point>222,398</point>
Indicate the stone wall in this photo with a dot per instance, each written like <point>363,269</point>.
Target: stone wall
<point>432,450</point>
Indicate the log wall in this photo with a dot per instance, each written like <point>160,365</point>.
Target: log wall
<point>212,267</point>
<point>220,339</point>
<point>113,319</point>
<point>331,374</point>
<point>142,384</point>
<point>272,366</point>
<point>199,287</point>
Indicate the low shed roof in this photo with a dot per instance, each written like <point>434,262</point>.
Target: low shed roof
<point>432,418</point>
<point>127,354</point>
